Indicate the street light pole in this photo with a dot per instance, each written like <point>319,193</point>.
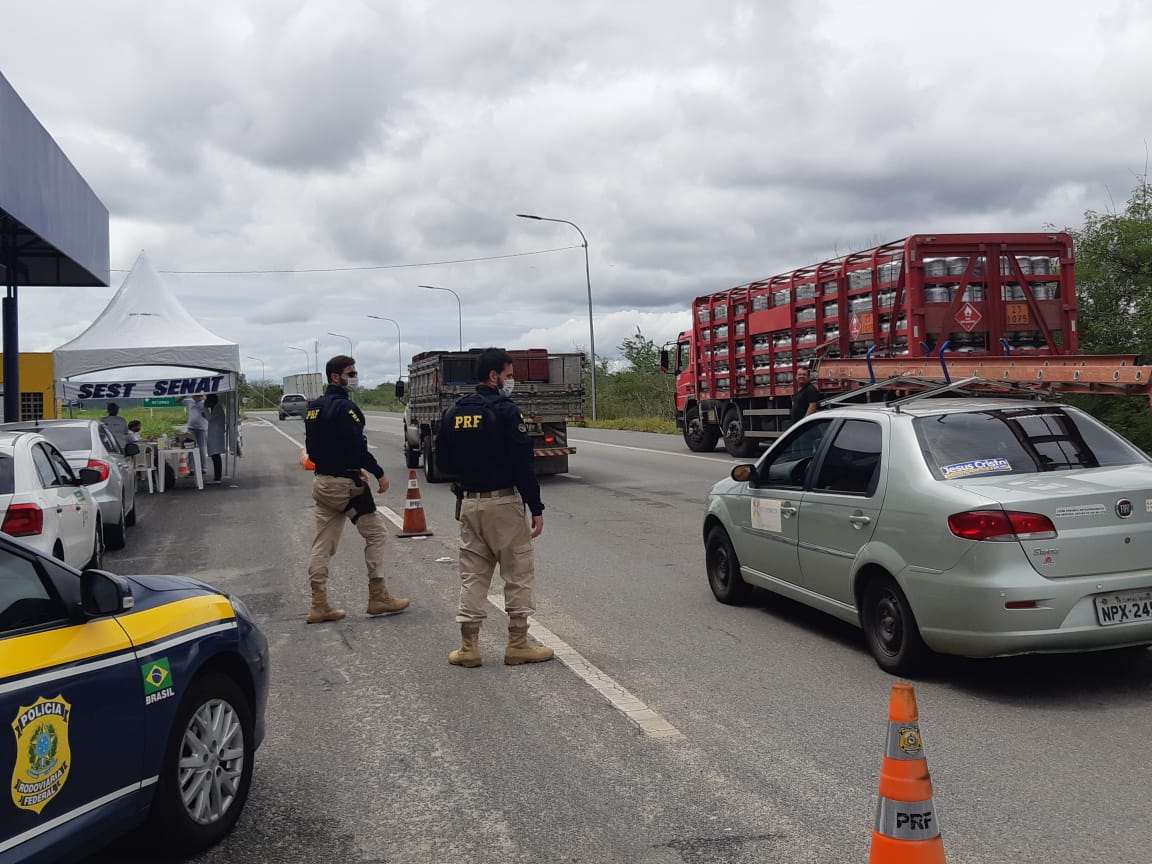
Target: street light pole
<point>342,336</point>
<point>307,360</point>
<point>588,278</point>
<point>399,357</point>
<point>459,310</point>
<point>263,381</point>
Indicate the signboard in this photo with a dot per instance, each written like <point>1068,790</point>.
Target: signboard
<point>968,316</point>
<point>866,322</point>
<point>1017,314</point>
<point>172,388</point>
<point>854,326</point>
<point>161,402</point>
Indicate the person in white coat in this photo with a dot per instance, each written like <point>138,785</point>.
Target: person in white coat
<point>217,442</point>
<point>198,428</point>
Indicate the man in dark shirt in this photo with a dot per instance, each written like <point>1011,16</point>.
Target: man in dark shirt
<point>806,396</point>
<point>484,441</point>
<point>334,439</point>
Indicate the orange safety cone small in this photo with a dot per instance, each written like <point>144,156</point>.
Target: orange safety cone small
<point>414,524</point>
<point>182,465</point>
<point>907,830</point>
<point>306,461</point>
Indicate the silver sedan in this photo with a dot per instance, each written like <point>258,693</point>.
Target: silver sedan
<point>972,526</point>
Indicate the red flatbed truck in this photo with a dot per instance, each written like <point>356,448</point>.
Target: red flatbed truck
<point>929,305</point>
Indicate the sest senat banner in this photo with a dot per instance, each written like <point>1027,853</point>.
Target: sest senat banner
<point>149,389</point>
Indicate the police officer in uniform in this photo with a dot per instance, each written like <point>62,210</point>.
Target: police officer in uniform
<point>334,439</point>
<point>483,440</point>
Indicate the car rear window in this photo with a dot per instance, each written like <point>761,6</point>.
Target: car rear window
<point>7,484</point>
<point>68,437</point>
<point>294,399</point>
<point>1019,441</point>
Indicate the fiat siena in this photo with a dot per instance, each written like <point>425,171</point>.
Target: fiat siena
<point>974,526</point>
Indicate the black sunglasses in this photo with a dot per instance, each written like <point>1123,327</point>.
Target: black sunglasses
<point>352,374</point>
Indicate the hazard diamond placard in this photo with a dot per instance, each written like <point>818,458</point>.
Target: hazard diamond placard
<point>968,317</point>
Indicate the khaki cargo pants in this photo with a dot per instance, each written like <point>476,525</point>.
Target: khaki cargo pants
<point>494,531</point>
<point>332,495</point>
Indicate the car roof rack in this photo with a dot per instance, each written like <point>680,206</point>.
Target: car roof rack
<point>972,386</point>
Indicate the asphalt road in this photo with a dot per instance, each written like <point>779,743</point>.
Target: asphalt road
<point>680,730</point>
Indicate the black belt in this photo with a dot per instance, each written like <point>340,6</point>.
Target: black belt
<point>495,493</point>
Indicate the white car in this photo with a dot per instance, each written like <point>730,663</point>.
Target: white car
<point>45,503</point>
<point>91,444</point>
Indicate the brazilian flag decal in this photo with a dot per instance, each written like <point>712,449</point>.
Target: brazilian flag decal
<point>157,676</point>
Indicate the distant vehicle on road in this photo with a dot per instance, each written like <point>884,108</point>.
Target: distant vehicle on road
<point>89,444</point>
<point>293,405</point>
<point>973,526</point>
<point>136,702</point>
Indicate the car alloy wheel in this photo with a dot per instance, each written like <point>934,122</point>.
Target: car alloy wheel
<point>208,766</point>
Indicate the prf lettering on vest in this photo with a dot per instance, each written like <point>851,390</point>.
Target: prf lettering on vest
<point>468,421</point>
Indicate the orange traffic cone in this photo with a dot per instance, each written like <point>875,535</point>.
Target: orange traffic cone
<point>182,465</point>
<point>414,524</point>
<point>907,830</point>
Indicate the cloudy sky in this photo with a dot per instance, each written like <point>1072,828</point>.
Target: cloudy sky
<point>699,144</point>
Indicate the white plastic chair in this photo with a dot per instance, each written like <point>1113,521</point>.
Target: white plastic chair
<point>145,462</point>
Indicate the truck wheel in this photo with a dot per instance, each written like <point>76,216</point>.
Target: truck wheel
<point>411,457</point>
<point>699,437</point>
<point>734,441</point>
<point>431,472</point>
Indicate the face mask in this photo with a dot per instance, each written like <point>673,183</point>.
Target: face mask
<point>508,385</point>
<point>352,384</point>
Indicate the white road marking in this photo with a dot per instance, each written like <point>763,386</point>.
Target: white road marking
<point>645,719</point>
<point>388,513</point>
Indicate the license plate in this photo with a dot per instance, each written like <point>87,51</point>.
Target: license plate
<point>1123,608</point>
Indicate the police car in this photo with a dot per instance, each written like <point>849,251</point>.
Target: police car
<point>133,702</point>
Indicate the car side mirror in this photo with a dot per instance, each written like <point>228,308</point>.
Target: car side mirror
<point>745,474</point>
<point>399,389</point>
<point>664,359</point>
<point>88,476</point>
<point>131,448</point>
<point>103,593</point>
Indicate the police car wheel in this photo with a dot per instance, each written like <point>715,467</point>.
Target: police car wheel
<point>207,767</point>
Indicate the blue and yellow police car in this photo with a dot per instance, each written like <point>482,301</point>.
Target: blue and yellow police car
<point>135,704</point>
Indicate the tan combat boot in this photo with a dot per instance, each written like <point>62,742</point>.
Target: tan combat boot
<point>380,602</point>
<point>320,610</point>
<point>469,653</point>
<point>518,650</point>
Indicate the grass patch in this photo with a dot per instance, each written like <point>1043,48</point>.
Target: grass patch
<point>154,422</point>
<point>636,424</point>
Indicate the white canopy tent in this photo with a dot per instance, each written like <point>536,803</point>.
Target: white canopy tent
<point>145,325</point>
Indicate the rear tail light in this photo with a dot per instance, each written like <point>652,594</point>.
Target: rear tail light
<point>103,467</point>
<point>549,439</point>
<point>1001,525</point>
<point>23,520</point>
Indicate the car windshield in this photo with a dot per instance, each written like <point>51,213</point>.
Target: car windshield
<point>294,399</point>
<point>68,437</point>
<point>7,484</point>
<point>1019,441</point>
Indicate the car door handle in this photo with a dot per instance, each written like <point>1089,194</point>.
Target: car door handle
<point>787,512</point>
<point>860,521</point>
